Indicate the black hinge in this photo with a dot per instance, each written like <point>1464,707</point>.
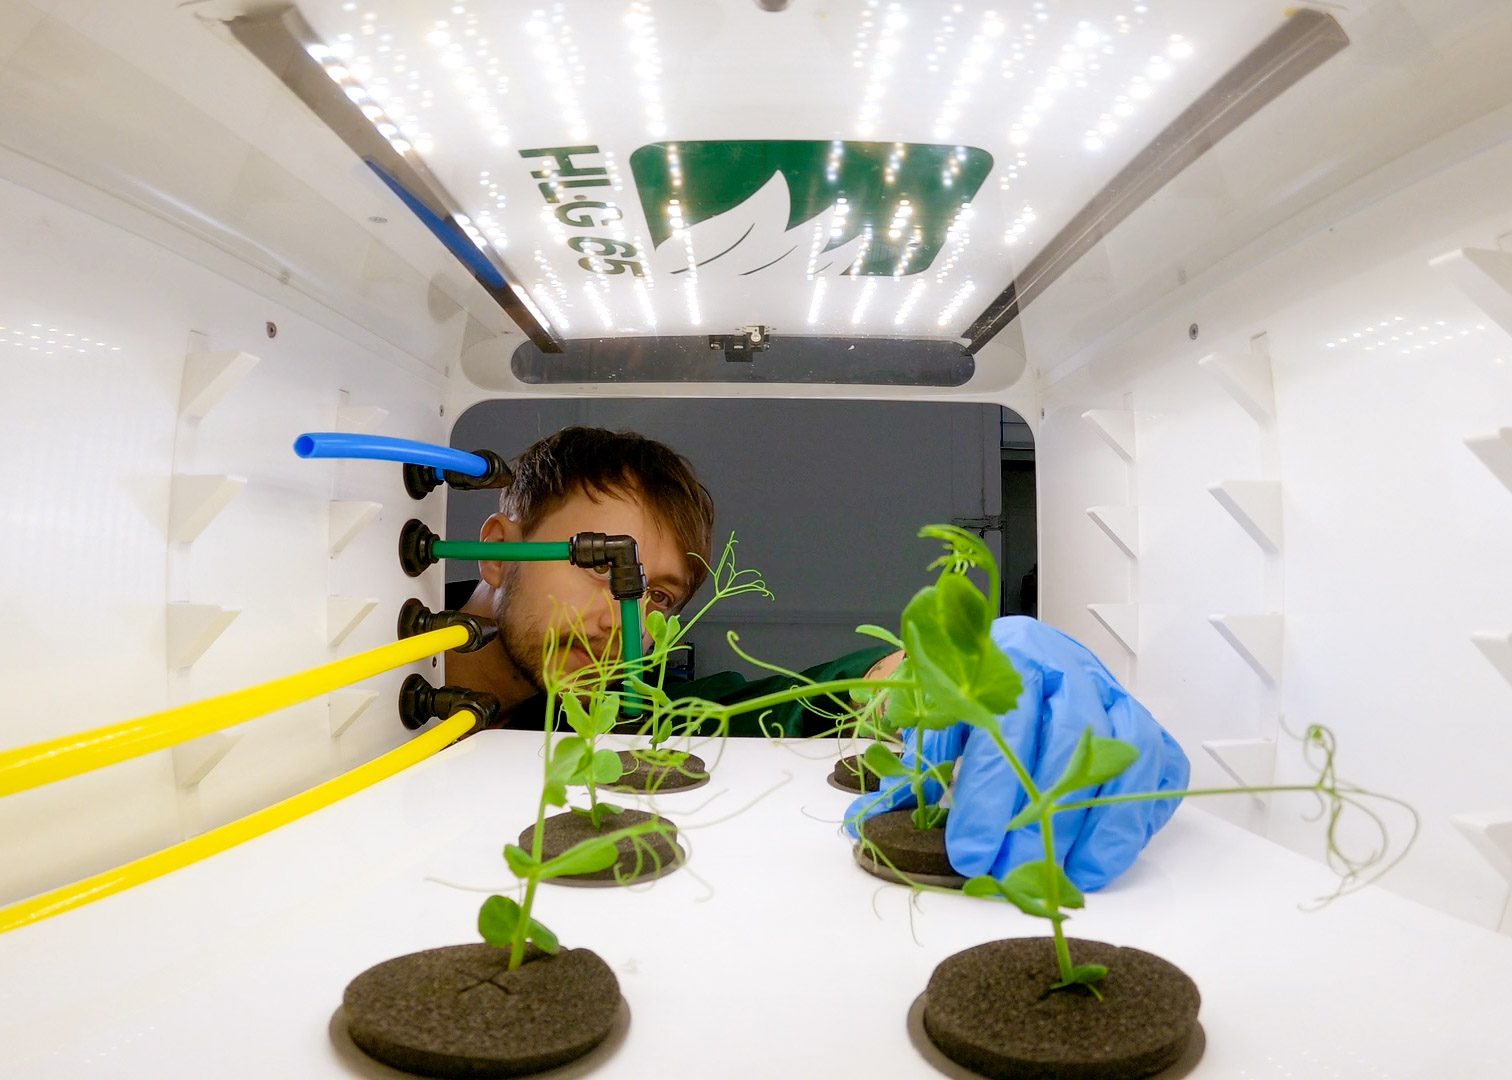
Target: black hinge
<point>979,524</point>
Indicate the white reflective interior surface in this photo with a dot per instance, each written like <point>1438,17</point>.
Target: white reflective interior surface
<point>877,167</point>
<point>771,955</point>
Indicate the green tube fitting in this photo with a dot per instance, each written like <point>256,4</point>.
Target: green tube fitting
<point>630,635</point>
<point>521,552</point>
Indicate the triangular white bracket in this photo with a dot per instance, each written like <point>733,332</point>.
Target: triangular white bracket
<point>1491,835</point>
<point>1256,506</point>
<point>1121,523</point>
<point>1497,649</point>
<point>1251,762</point>
<point>359,419</point>
<point>1116,426</point>
<point>346,520</point>
<point>208,377</point>
<point>345,706</point>
<point>1484,276</point>
<point>195,500</point>
<point>193,628</point>
<point>343,613</point>
<point>1496,452</point>
<point>1257,638</point>
<point>1120,620</point>
<point>1248,380</point>
<point>193,760</point>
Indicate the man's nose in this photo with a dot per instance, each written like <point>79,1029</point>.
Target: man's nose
<point>605,614</point>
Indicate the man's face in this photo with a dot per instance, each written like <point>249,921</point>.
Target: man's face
<point>537,602</point>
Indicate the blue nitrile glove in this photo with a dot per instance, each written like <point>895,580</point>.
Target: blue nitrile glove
<point>1066,689</point>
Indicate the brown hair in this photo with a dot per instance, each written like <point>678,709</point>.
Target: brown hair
<point>596,461</point>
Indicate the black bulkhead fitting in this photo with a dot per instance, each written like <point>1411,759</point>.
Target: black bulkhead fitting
<point>415,618</point>
<point>627,580</point>
<point>420,480</point>
<point>420,702</point>
<point>415,541</point>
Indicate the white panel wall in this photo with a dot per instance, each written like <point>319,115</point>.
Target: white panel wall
<point>1396,537</point>
<point>91,439</point>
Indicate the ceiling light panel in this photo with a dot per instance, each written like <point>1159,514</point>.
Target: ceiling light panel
<point>691,166</point>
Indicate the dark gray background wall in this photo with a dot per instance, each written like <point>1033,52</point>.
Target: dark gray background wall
<point>825,498</point>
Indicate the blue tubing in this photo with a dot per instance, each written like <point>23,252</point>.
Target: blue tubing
<point>334,444</point>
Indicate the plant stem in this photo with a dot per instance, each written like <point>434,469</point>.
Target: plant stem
<point>1052,898</point>
<point>1153,796</point>
<point>537,842</point>
<point>1022,773</point>
<point>812,689</point>
<point>517,943</point>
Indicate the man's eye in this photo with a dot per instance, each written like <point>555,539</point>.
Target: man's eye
<point>660,599</point>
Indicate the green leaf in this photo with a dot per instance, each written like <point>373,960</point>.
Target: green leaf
<point>930,817</point>
<point>543,938</point>
<point>607,767</point>
<point>1028,815</point>
<point>566,758</point>
<point>1034,879</point>
<point>577,716</point>
<point>650,690</point>
<point>521,862</point>
<point>1094,761</point>
<point>1084,975</point>
<point>660,759</point>
<point>606,709</point>
<point>497,919</point>
<point>952,704</point>
<point>585,857</point>
<point>880,760</point>
<point>881,634</point>
<point>942,773</point>
<point>996,683</point>
<point>982,887</point>
<point>1027,888</point>
<point>656,625</point>
<point>964,614</point>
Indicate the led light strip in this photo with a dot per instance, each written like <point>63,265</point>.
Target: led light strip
<point>288,47</point>
<point>1299,46</point>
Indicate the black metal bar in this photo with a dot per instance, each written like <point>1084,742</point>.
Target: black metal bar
<point>280,38</point>
<point>1296,48</point>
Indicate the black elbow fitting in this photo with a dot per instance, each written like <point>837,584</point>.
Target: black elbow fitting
<point>627,580</point>
<point>420,480</point>
<point>415,547</point>
<point>415,618</point>
<point>420,702</point>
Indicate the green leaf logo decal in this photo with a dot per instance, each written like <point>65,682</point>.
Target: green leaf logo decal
<point>812,207</point>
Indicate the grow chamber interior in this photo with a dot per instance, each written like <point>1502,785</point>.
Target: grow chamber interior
<point>1265,371</point>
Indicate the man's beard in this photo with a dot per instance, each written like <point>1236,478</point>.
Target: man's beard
<point>524,644</point>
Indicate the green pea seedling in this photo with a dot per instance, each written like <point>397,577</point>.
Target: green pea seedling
<point>587,700</point>
<point>669,634</point>
<point>956,673</point>
<point>590,707</point>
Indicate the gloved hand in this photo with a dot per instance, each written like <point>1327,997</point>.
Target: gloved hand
<point>1066,689</point>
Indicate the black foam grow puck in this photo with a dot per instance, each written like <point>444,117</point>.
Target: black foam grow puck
<point>459,1011</point>
<point>851,775</point>
<point>641,775</point>
<point>991,1009</point>
<point>904,847</point>
<point>653,857</point>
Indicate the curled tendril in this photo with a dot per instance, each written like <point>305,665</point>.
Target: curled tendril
<point>963,551</point>
<point>1341,802</point>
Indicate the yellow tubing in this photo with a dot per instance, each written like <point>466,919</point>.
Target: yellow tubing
<point>190,851</point>
<point>42,763</point>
